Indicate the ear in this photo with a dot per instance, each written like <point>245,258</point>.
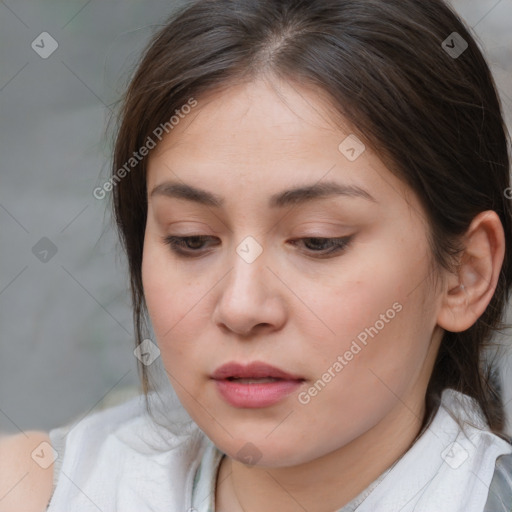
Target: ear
<point>467,293</point>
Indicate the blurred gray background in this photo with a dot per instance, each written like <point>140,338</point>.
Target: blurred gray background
<point>66,339</point>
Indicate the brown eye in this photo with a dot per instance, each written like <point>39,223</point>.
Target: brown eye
<point>186,245</point>
<point>324,247</point>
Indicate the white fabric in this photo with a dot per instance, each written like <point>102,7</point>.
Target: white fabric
<point>119,460</point>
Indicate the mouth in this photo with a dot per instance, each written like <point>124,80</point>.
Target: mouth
<point>255,385</point>
<point>255,371</point>
<point>252,380</point>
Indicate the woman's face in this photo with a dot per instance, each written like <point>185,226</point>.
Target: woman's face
<point>354,323</point>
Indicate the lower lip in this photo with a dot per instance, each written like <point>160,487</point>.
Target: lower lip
<point>255,395</point>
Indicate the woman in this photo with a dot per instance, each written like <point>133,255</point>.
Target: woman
<point>313,200</point>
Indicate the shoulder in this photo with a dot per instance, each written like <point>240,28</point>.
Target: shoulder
<point>26,473</point>
<point>30,461</point>
<point>121,458</point>
<point>500,491</point>
<point>489,453</point>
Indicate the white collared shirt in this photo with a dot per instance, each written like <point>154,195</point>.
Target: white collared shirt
<point>120,460</point>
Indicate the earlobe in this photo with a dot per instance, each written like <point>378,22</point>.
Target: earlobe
<point>467,292</point>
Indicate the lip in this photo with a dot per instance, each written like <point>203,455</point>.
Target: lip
<point>255,369</point>
<point>254,395</point>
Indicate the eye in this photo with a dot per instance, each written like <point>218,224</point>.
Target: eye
<point>192,246</point>
<point>183,245</point>
<point>325,247</point>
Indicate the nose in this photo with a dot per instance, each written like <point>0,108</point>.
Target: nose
<point>251,299</point>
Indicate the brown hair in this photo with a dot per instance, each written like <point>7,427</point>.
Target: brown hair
<point>434,117</point>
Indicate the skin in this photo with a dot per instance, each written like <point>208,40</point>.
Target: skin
<point>292,309</point>
<point>24,484</point>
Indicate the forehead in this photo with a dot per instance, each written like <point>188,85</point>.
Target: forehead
<point>268,116</point>
<point>266,136</point>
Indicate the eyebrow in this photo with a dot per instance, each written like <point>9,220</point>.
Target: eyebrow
<point>292,196</point>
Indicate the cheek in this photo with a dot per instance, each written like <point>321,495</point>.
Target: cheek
<point>163,290</point>
<point>158,291</point>
<point>353,297</point>
<point>374,316</point>
<point>174,301</point>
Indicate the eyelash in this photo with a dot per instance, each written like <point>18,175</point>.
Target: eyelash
<point>177,243</point>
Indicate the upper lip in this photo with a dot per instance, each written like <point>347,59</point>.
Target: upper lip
<point>255,369</point>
